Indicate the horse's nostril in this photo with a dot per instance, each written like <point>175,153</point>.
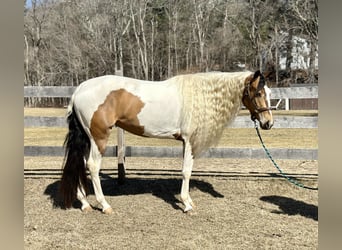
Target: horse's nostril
<point>267,125</point>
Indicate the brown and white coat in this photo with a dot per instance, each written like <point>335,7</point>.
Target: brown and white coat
<point>193,108</point>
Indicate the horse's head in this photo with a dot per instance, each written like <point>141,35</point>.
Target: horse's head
<point>256,97</point>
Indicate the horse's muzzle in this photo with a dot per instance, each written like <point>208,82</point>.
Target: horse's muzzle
<point>267,125</point>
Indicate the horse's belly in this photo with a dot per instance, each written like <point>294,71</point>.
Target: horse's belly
<point>159,124</point>
<point>160,115</point>
<point>160,120</point>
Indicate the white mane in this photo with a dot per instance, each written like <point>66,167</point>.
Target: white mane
<point>211,101</point>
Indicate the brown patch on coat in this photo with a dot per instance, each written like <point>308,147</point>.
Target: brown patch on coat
<point>120,108</point>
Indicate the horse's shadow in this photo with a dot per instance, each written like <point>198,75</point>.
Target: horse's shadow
<point>166,189</point>
<point>292,207</point>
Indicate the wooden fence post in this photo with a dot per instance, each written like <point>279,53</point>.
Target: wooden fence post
<point>120,132</point>
<point>121,156</point>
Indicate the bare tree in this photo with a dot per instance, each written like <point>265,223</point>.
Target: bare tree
<point>138,14</point>
<point>203,11</point>
<point>306,14</point>
<point>34,25</point>
<point>172,10</point>
<point>67,42</point>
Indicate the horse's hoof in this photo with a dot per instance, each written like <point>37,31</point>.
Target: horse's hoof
<point>187,209</point>
<point>108,210</point>
<point>87,209</point>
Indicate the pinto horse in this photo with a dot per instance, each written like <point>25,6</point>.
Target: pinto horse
<point>192,108</point>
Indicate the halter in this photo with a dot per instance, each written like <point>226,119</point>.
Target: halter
<point>246,93</point>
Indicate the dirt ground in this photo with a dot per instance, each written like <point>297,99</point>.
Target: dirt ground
<point>240,204</point>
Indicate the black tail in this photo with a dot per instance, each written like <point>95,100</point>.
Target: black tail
<point>77,147</point>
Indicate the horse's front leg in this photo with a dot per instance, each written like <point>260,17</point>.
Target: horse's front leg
<point>187,169</point>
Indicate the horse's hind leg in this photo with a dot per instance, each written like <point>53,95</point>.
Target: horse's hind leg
<point>81,196</point>
<point>94,164</point>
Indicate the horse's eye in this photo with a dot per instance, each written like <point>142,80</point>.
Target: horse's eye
<point>257,94</point>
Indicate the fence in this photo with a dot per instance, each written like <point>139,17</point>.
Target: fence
<point>282,121</point>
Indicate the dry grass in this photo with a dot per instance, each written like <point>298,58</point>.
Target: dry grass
<point>232,137</point>
<point>44,111</point>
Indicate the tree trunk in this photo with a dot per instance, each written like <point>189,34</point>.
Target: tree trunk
<point>312,67</point>
<point>289,46</point>
<point>139,33</point>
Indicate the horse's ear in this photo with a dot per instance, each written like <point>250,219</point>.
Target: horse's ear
<point>258,84</point>
<point>253,81</point>
<point>261,83</point>
<point>256,74</point>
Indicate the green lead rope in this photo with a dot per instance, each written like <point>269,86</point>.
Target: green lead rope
<point>276,165</point>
